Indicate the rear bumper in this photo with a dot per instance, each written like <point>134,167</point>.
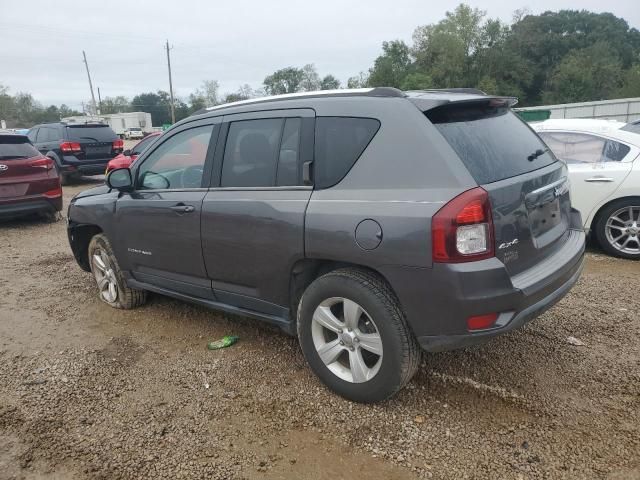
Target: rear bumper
<point>71,164</point>
<point>439,300</point>
<point>29,206</point>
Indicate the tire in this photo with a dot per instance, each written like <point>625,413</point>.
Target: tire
<point>617,223</point>
<point>64,179</point>
<point>116,294</point>
<point>380,315</point>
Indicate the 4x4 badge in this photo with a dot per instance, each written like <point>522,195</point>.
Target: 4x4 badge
<point>504,245</point>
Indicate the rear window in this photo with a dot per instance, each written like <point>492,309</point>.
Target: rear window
<point>492,142</point>
<point>339,143</point>
<point>14,146</point>
<point>632,127</point>
<point>96,133</point>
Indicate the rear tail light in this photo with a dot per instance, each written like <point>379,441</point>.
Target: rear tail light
<point>54,193</point>
<point>45,163</point>
<point>462,230</point>
<point>118,145</point>
<point>482,322</point>
<point>70,147</point>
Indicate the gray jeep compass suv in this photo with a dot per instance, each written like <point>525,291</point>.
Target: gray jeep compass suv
<point>368,222</point>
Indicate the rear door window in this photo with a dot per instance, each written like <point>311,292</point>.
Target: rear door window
<point>492,142</point>
<point>90,133</point>
<point>251,153</point>
<point>15,147</point>
<point>339,143</point>
<point>579,148</point>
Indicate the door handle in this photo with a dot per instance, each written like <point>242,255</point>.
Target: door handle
<point>599,179</point>
<point>182,208</point>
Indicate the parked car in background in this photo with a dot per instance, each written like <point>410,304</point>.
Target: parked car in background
<point>369,222</point>
<point>126,158</point>
<point>602,157</point>
<point>29,182</point>
<point>133,133</point>
<point>77,149</point>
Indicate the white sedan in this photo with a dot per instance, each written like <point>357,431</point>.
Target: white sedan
<point>604,171</point>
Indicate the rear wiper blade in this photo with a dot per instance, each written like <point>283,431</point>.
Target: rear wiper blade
<point>536,154</point>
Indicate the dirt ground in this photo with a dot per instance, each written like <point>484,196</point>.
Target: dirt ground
<point>87,391</point>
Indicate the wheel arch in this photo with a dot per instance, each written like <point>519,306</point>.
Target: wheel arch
<point>306,270</point>
<point>598,214</point>
<point>80,235</point>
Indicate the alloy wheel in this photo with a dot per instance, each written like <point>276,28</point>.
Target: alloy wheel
<point>623,230</point>
<point>347,340</point>
<point>105,276</point>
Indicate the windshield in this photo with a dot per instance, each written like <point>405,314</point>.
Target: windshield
<point>95,133</point>
<point>492,142</point>
<point>15,147</point>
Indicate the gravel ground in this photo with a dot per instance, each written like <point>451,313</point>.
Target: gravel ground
<point>87,391</point>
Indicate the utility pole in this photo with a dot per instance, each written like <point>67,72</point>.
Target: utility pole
<point>173,109</point>
<point>99,102</point>
<point>93,98</point>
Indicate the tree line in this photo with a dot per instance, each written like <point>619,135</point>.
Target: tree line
<point>555,57</point>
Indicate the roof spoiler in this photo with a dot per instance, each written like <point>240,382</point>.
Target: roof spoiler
<point>425,104</point>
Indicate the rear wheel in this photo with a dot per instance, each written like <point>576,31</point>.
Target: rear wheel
<point>106,271</point>
<point>355,337</point>
<point>618,229</point>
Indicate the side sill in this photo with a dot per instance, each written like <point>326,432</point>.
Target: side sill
<point>284,324</point>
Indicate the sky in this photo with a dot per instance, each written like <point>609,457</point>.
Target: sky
<point>41,42</point>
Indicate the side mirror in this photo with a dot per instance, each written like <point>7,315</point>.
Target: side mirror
<point>120,179</point>
<point>127,152</point>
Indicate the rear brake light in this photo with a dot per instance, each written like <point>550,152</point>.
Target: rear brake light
<point>56,192</point>
<point>462,230</point>
<point>45,163</point>
<point>118,144</point>
<point>70,147</point>
<point>482,322</point>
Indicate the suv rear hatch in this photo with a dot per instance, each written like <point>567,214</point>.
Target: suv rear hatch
<point>23,170</point>
<point>96,141</point>
<point>527,186</point>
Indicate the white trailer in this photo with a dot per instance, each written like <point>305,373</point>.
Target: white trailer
<point>121,121</point>
<point>117,121</point>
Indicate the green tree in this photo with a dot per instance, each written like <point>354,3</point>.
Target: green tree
<point>117,104</point>
<point>329,82</point>
<point>157,104</point>
<point>446,51</point>
<point>310,79</point>
<point>543,41</point>
<point>286,80</point>
<point>390,68</point>
<point>358,81</point>
<point>592,73</point>
<point>630,83</point>
<point>417,81</point>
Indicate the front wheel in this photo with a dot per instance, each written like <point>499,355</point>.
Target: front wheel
<point>355,337</point>
<point>111,285</point>
<point>618,229</point>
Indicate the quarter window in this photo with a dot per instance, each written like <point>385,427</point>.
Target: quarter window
<point>178,163</point>
<point>339,143</point>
